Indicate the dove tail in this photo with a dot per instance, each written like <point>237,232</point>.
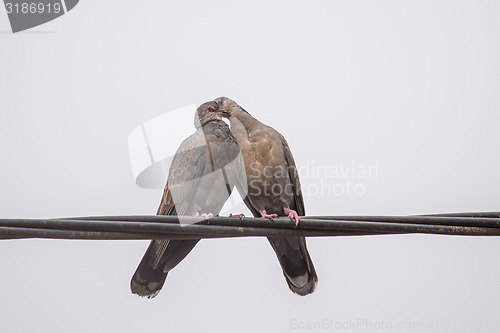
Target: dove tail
<point>159,259</point>
<point>296,263</point>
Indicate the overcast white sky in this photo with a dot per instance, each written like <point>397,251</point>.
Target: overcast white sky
<point>409,88</point>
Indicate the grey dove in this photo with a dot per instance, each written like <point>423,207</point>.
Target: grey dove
<point>200,180</point>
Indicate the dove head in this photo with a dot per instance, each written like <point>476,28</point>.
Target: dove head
<point>229,106</point>
<point>207,112</point>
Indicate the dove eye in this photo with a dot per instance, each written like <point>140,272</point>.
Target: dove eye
<point>212,108</point>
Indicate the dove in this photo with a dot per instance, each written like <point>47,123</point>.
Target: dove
<point>273,189</point>
<point>199,182</point>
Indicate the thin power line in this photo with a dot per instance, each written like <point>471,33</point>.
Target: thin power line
<point>162,226</point>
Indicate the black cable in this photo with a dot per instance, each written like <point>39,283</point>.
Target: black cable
<point>163,226</point>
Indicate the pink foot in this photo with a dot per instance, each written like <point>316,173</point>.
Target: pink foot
<point>241,216</point>
<point>205,215</point>
<point>269,216</point>
<point>293,215</point>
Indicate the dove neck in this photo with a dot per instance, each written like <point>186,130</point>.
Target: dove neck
<point>218,121</point>
<point>245,119</point>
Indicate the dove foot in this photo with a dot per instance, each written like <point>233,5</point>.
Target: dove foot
<point>292,215</point>
<point>205,215</point>
<point>269,216</point>
<point>241,216</point>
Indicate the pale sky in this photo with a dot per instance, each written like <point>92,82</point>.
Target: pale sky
<point>407,89</point>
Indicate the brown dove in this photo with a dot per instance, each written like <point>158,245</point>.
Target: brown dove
<point>198,183</point>
<point>273,189</point>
